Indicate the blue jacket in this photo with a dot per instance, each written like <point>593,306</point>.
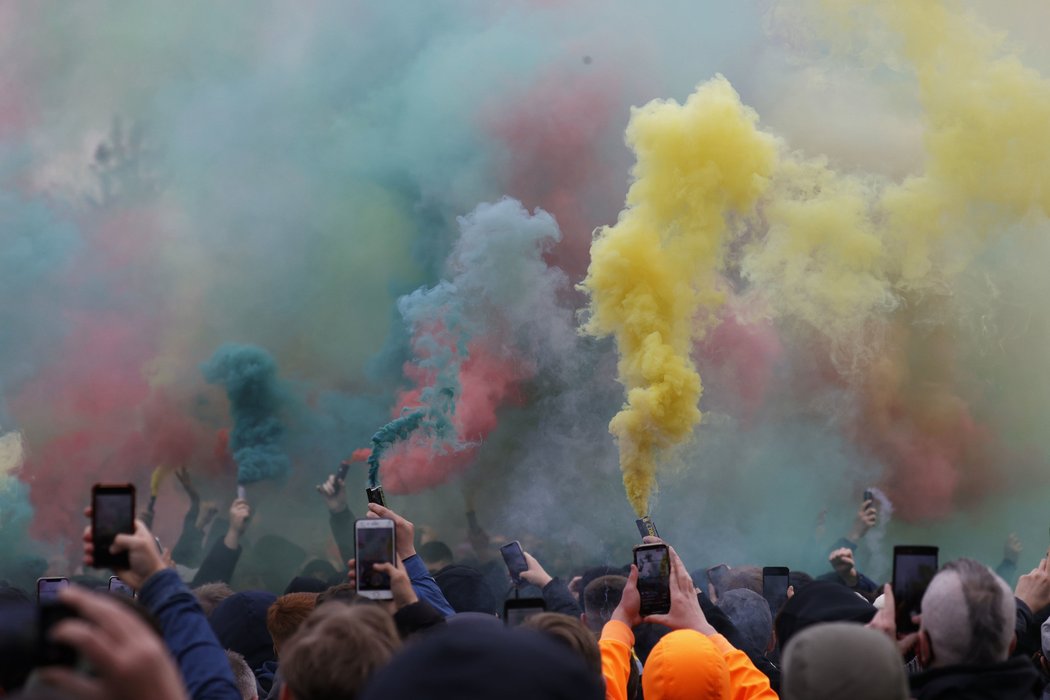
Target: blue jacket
<point>201,660</point>
<point>425,586</point>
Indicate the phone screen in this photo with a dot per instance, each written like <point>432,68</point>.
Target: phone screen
<point>113,513</point>
<point>516,612</point>
<point>118,586</point>
<point>515,559</point>
<point>654,578</point>
<point>775,582</point>
<point>47,589</point>
<point>375,545</point>
<point>913,569</point>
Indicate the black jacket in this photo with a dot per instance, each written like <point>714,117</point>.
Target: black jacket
<point>1014,679</point>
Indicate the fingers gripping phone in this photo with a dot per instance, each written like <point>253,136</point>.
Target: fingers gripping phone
<point>775,582</point>
<point>913,569</point>
<point>514,557</point>
<point>374,538</point>
<point>654,578</point>
<point>112,514</point>
<point>47,588</point>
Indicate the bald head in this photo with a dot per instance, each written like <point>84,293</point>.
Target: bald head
<point>968,614</point>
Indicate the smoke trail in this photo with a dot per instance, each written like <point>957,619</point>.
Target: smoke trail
<point>384,438</point>
<point>497,321</point>
<point>249,375</point>
<point>653,271</point>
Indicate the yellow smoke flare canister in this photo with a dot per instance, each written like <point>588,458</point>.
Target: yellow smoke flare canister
<point>656,268</point>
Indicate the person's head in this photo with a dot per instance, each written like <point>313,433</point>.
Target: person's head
<point>570,632</point>
<point>466,590</point>
<point>480,659</point>
<point>210,595</point>
<point>596,572</point>
<point>749,577</point>
<point>336,651</point>
<point>968,617</point>
<point>320,569</point>
<point>820,601</point>
<point>341,593</point>
<point>600,598</point>
<point>685,665</point>
<point>240,624</point>
<point>436,555</point>
<point>842,660</point>
<point>242,676</point>
<point>286,614</point>
<point>749,612</point>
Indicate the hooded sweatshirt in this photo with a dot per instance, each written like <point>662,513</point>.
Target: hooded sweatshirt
<point>843,660</point>
<point>684,655</point>
<point>1013,679</point>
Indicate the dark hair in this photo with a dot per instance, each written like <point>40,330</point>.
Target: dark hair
<point>600,598</point>
<point>597,572</point>
<point>435,551</point>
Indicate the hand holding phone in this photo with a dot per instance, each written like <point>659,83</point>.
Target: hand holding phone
<point>112,514</point>
<point>913,569</point>
<point>514,558</point>
<point>374,538</point>
<point>654,578</point>
<point>775,582</point>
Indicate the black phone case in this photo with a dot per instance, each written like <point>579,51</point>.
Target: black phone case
<point>375,495</point>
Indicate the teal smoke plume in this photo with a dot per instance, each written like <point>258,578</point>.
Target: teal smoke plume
<point>249,375</point>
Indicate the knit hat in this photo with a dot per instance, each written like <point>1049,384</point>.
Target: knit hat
<point>842,660</point>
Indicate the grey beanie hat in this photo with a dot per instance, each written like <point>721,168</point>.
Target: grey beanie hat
<point>843,661</point>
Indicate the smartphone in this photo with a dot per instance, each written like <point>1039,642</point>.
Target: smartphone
<point>913,569</point>
<point>119,587</point>
<point>517,610</point>
<point>375,495</point>
<point>775,582</point>
<point>654,578</point>
<point>48,652</point>
<point>515,559</point>
<point>112,513</point>
<point>374,539</point>
<point>646,527</point>
<point>47,588</point>
<point>868,495</point>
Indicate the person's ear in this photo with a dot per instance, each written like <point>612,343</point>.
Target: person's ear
<point>925,650</point>
<point>286,693</point>
<point>1013,644</point>
<point>583,619</point>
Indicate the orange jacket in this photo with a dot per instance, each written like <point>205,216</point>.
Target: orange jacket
<point>684,664</point>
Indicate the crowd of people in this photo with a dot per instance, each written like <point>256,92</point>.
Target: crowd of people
<point>187,634</point>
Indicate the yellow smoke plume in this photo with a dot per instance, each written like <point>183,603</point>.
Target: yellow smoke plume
<point>842,250</point>
<point>653,271</point>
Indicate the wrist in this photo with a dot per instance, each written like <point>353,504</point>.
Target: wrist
<point>621,616</point>
<point>403,554</point>
<point>232,540</point>
<point>337,508</point>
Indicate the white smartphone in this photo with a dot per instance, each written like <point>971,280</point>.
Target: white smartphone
<point>374,539</point>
